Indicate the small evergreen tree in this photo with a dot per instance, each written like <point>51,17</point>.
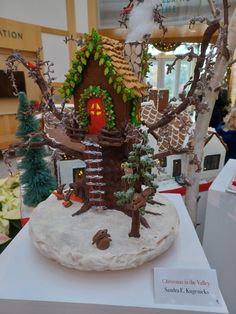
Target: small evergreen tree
<point>139,164</point>
<point>27,121</point>
<point>35,177</point>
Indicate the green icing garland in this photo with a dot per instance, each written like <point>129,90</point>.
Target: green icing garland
<point>92,92</point>
<point>135,118</point>
<point>146,62</point>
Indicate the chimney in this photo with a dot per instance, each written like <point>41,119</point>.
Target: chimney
<point>133,52</point>
<point>163,99</point>
<point>160,98</point>
<point>153,95</point>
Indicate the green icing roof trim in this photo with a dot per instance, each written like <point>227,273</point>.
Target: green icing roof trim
<point>93,46</point>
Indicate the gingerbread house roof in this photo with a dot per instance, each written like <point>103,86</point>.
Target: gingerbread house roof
<point>175,135</point>
<point>212,132</point>
<point>109,54</point>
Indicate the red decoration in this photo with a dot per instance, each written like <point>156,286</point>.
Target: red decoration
<point>37,105</point>
<point>67,203</point>
<point>31,65</point>
<point>182,190</point>
<point>58,195</point>
<point>128,8</point>
<point>96,115</point>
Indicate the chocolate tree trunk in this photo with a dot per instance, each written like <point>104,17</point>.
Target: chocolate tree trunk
<point>112,173</point>
<point>135,226</point>
<point>103,176</point>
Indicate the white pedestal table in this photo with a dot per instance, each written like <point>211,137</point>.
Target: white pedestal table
<point>32,284</point>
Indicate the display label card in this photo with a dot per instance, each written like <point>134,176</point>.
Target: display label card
<point>196,287</point>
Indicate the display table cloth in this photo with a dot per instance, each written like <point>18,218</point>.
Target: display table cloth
<point>32,284</point>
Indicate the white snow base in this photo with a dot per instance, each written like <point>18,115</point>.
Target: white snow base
<point>68,240</point>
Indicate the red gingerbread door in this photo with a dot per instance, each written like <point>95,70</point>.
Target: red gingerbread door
<point>96,115</point>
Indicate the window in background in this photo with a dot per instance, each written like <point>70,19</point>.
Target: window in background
<point>163,162</point>
<point>185,73</point>
<point>211,162</point>
<point>176,168</point>
<point>169,81</point>
<point>176,13</point>
<point>152,75</point>
<point>6,89</point>
<point>176,80</point>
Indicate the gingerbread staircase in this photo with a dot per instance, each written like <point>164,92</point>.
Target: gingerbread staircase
<point>94,176</point>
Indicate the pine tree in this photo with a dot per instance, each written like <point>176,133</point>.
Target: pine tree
<point>36,177</point>
<point>139,166</point>
<point>27,121</point>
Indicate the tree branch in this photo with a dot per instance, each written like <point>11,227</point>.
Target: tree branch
<point>189,100</point>
<point>35,72</point>
<point>45,141</point>
<point>214,10</point>
<point>225,50</point>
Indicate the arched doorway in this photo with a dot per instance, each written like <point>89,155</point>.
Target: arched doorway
<point>96,115</point>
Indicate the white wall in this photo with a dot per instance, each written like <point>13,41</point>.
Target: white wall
<point>50,13</point>
<point>65,170</point>
<point>213,147</point>
<point>81,11</point>
<point>55,50</point>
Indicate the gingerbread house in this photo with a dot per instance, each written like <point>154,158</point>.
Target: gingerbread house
<point>213,155</point>
<point>107,97</point>
<point>177,136</point>
<point>106,90</point>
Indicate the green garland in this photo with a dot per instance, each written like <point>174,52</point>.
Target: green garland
<point>93,46</point>
<point>91,92</point>
<point>166,47</point>
<point>146,63</point>
<point>75,75</point>
<point>135,117</point>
